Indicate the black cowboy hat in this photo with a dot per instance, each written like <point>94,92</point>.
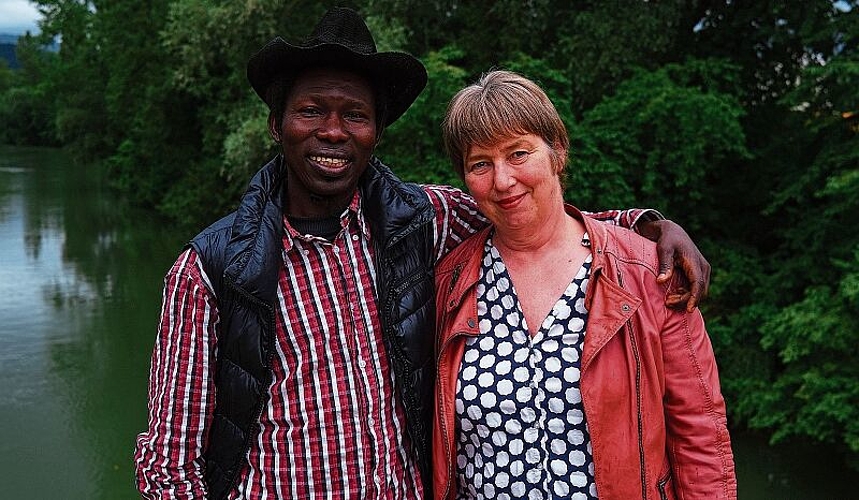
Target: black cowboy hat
<point>341,39</point>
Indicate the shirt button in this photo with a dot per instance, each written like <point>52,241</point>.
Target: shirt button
<point>354,237</point>
<point>362,363</point>
<point>371,422</point>
<point>336,249</point>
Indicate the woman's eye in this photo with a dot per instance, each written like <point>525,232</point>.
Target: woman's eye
<point>519,155</point>
<point>478,166</point>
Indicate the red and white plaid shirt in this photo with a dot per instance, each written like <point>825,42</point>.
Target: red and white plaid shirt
<point>333,427</point>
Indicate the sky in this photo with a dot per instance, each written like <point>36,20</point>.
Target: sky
<point>17,16</point>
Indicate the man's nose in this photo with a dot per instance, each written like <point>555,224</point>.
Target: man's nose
<point>332,129</point>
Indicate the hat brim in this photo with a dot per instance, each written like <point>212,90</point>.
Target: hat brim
<point>397,76</point>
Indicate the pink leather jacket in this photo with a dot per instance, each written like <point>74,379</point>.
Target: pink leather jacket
<point>649,381</point>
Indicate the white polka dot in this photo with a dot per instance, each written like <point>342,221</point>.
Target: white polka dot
<point>556,329</point>
<point>487,343</point>
<point>576,325</point>
<point>553,364</point>
<point>489,490</point>
<point>532,456</point>
<point>496,312</point>
<point>513,427</point>
<point>577,458</point>
<point>487,361</point>
<point>505,348</point>
<point>521,374</point>
<point>575,416</point>
<point>573,396</point>
<point>575,437</point>
<point>513,319</point>
<point>523,394</point>
<point>578,479</point>
<point>521,354</point>
<point>470,355</point>
<point>474,412</point>
<point>559,467</point>
<point>517,467</point>
<point>503,367</point>
<point>487,399</point>
<point>507,406</point>
<point>528,415</point>
<point>507,302</point>
<point>485,380</point>
<point>562,311</point>
<point>518,489</point>
<point>562,489</point>
<point>502,480</point>
<point>469,392</point>
<point>556,425</point>
<point>502,459</point>
<point>571,374</point>
<point>503,284</point>
<point>533,476</point>
<point>504,387</point>
<point>553,384</point>
<point>493,419</point>
<point>550,345</point>
<point>555,405</point>
<point>558,447</point>
<point>499,438</point>
<point>531,435</point>
<point>501,331</point>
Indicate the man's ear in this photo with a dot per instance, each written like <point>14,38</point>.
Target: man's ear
<point>274,127</point>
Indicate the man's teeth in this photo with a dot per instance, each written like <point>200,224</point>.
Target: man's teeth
<point>329,162</point>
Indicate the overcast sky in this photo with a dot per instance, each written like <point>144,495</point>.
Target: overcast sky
<point>17,16</point>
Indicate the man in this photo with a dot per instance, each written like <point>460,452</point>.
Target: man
<point>295,351</point>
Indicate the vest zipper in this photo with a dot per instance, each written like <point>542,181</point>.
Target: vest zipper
<point>661,486</point>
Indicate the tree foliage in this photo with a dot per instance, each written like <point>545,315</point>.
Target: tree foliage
<point>740,120</point>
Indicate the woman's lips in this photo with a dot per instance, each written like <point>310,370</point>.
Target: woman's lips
<point>510,201</point>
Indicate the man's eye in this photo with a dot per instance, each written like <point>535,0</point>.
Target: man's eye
<point>355,116</point>
<point>309,112</point>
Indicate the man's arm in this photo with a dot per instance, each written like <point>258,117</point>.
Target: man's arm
<point>674,247</point>
<point>457,218</point>
<point>169,454</point>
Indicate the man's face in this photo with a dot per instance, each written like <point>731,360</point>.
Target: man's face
<point>328,135</point>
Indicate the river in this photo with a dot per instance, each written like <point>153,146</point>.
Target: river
<point>80,290</point>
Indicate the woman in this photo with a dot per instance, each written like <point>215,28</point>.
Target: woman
<point>561,372</point>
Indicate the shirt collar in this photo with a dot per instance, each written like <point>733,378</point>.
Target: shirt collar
<point>353,212</point>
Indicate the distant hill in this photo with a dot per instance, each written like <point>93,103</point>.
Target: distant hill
<point>7,48</point>
<point>7,52</point>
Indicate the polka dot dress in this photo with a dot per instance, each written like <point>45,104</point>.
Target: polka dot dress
<point>520,419</point>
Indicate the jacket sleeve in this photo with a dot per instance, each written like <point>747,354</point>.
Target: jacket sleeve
<point>699,447</point>
<point>626,218</point>
<point>169,454</point>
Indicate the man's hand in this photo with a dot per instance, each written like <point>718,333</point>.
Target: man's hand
<point>676,248</point>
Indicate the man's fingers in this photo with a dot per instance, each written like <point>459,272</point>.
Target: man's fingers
<point>666,269</point>
<point>698,290</point>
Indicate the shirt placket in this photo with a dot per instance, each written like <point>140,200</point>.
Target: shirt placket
<point>366,355</point>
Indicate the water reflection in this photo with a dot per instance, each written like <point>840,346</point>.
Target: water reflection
<point>80,285</point>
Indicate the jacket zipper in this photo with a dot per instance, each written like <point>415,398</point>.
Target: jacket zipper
<point>639,416</point>
<point>661,485</point>
<point>443,421</point>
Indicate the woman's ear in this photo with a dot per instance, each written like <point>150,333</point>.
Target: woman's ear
<point>274,127</point>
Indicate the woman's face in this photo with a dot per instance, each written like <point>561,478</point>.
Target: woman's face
<point>514,181</point>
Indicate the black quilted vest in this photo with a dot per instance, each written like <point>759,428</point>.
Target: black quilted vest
<point>241,254</point>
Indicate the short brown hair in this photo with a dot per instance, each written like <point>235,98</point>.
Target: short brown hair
<point>501,104</point>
